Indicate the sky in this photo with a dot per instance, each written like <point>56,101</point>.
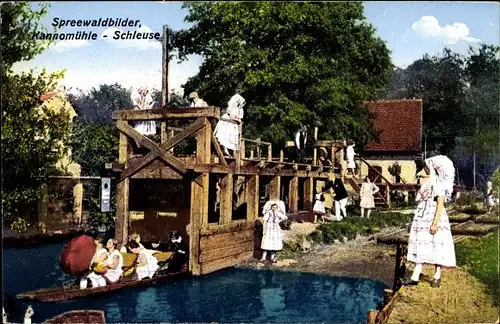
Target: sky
<point>411,29</point>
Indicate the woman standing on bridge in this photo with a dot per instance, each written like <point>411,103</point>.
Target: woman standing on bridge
<point>430,239</point>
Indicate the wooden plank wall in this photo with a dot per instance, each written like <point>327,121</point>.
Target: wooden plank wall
<point>223,246</point>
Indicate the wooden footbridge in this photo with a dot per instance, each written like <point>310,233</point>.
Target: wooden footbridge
<point>216,241</point>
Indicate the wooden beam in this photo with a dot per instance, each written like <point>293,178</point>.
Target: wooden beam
<point>274,188</point>
<point>167,113</point>
<point>229,261</point>
<point>223,252</point>
<point>152,146</point>
<point>293,195</point>
<point>171,142</point>
<point>234,226</point>
<point>122,196</point>
<point>252,197</point>
<point>216,145</point>
<point>163,131</point>
<point>213,242</point>
<point>226,199</point>
<point>328,143</point>
<point>315,153</point>
<point>308,193</point>
<point>199,198</point>
<point>164,67</point>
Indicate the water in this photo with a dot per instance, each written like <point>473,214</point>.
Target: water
<point>231,295</point>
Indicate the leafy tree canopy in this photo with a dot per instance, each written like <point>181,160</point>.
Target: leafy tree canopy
<point>34,137</point>
<point>19,22</point>
<point>97,104</point>
<point>295,63</point>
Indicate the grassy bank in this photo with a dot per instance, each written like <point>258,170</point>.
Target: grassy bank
<point>350,227</point>
<point>479,257</point>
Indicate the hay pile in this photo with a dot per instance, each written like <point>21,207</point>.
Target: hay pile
<point>460,299</point>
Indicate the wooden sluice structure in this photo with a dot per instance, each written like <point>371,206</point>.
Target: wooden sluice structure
<point>214,242</point>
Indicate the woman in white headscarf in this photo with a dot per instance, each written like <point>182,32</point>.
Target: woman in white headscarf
<point>430,239</point>
<point>142,100</point>
<point>227,130</point>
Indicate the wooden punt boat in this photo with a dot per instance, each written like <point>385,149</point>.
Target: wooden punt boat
<point>73,291</point>
<point>79,316</point>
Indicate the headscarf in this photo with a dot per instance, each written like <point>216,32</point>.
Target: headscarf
<point>141,99</point>
<point>235,106</point>
<point>269,204</point>
<point>442,175</point>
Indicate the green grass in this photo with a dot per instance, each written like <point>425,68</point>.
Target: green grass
<point>350,227</point>
<point>479,257</point>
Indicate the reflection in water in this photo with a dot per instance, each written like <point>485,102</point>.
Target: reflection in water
<point>232,295</point>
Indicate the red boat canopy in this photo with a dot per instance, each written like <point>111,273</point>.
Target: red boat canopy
<point>77,254</point>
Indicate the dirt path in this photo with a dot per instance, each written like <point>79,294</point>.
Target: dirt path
<point>460,299</point>
<point>361,258</point>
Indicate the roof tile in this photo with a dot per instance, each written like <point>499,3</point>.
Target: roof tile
<point>399,123</point>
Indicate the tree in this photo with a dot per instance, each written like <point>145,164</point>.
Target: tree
<point>293,62</point>
<point>97,105</point>
<point>18,25</point>
<point>34,138</point>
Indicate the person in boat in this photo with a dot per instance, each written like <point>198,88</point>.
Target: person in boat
<point>132,237</point>
<point>101,254</point>
<point>113,266</point>
<point>431,241</point>
<point>273,236</point>
<point>180,249</point>
<point>147,264</point>
<point>227,130</point>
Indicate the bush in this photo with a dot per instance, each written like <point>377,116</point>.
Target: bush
<point>468,198</point>
<point>349,228</point>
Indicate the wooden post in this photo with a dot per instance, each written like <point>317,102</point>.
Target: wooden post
<point>163,131</point>
<point>251,155</point>
<point>259,150</point>
<point>293,195</point>
<point>172,133</point>
<point>122,195</point>
<point>270,152</point>
<point>397,265</point>
<point>282,156</point>
<point>315,152</point>
<point>226,199</point>
<point>371,316</point>
<point>43,207</point>
<point>164,76</point>
<point>199,197</point>
<point>252,197</point>
<point>274,188</point>
<point>78,201</point>
<point>387,296</point>
<point>308,193</point>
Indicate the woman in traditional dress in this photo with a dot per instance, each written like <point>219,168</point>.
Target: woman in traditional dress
<point>273,237</point>
<point>368,189</point>
<point>142,100</point>
<point>350,154</point>
<point>147,264</point>
<point>227,130</point>
<point>430,239</point>
<point>319,207</point>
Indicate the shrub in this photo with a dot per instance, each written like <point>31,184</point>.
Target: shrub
<point>349,228</point>
<point>19,225</point>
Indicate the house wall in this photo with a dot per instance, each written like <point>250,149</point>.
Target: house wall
<point>408,167</point>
